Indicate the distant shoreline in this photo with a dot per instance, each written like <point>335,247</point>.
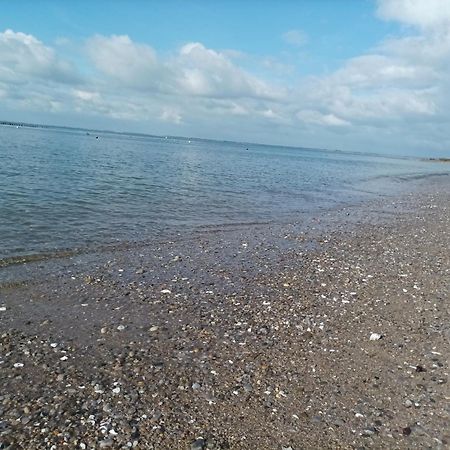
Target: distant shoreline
<point>243,143</point>
<point>444,160</point>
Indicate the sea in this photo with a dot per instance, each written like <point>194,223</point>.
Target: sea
<point>74,190</point>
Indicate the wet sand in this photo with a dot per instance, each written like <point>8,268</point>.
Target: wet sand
<point>328,333</point>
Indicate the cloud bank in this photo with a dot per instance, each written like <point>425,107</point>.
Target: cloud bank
<point>392,98</point>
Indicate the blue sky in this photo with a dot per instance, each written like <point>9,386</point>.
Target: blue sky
<point>335,30</point>
<point>352,74</point>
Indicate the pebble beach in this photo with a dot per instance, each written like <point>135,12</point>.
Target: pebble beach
<point>332,332</point>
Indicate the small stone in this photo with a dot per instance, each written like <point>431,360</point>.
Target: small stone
<point>106,443</point>
<point>153,329</point>
<point>2,308</point>
<point>196,386</point>
<point>166,291</point>
<point>368,432</point>
<point>408,403</point>
<point>375,337</point>
<point>116,390</point>
<point>103,330</point>
<point>198,444</point>
<point>140,271</point>
<point>121,327</point>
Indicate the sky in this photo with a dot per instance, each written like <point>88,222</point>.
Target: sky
<point>357,75</point>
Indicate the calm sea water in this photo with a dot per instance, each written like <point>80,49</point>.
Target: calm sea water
<point>64,189</point>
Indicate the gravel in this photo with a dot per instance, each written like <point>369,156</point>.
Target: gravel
<point>206,343</point>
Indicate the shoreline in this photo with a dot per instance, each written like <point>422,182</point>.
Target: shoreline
<point>249,338</point>
<point>13,266</point>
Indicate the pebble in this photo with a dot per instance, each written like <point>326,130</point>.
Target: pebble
<point>198,444</point>
<point>369,432</point>
<point>375,337</point>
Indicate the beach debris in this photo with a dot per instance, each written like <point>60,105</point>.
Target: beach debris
<point>406,431</point>
<point>2,308</point>
<point>166,291</point>
<point>375,337</point>
<point>153,328</point>
<point>18,365</point>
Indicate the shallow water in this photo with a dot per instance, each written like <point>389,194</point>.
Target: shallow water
<point>65,189</point>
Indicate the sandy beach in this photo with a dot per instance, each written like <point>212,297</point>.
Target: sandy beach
<point>332,332</point>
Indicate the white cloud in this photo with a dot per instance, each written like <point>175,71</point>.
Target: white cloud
<point>23,56</point>
<point>430,14</point>
<point>32,75</point>
<point>317,118</point>
<point>170,114</point>
<point>206,72</point>
<point>128,63</point>
<point>195,70</point>
<point>86,96</point>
